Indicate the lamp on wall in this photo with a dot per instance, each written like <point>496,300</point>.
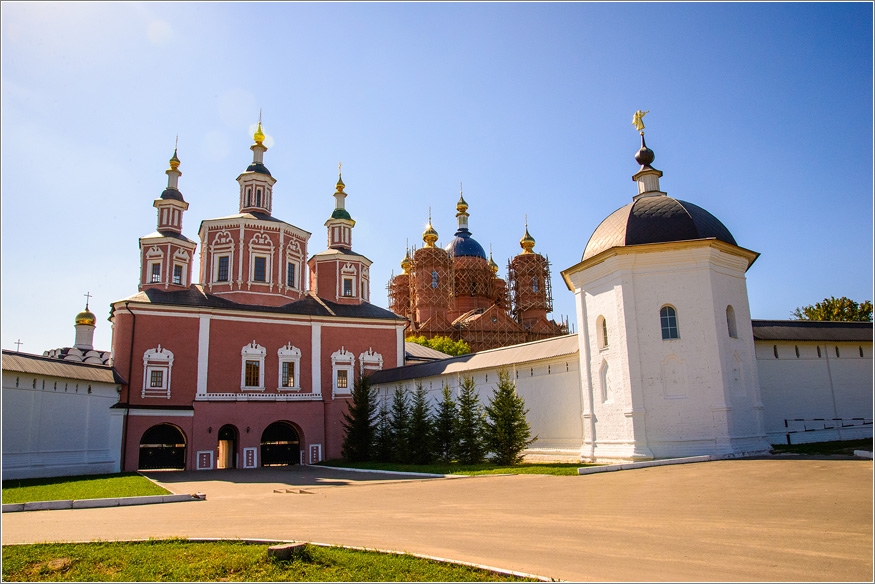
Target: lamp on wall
<point>247,429</point>
<point>210,430</point>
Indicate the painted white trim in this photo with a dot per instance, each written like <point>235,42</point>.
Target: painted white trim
<point>203,353</point>
<point>289,319</point>
<point>316,357</point>
<point>254,452</point>
<point>198,459</point>
<point>163,413</point>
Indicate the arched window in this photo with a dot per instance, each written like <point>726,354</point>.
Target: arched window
<point>434,279</point>
<point>730,322</point>
<point>668,319</point>
<point>535,287</point>
<point>248,196</point>
<point>258,198</point>
<point>601,326</point>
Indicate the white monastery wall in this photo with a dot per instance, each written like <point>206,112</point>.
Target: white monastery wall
<point>55,426</point>
<point>811,398</point>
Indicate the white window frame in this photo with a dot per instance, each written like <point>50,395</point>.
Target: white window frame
<point>342,360</point>
<point>222,246</point>
<point>370,361</point>
<point>261,246</point>
<point>347,274</point>
<point>289,354</point>
<point>157,359</point>
<point>252,352</point>
<point>293,256</point>
<point>152,274</point>
<point>677,325</point>
<point>266,259</point>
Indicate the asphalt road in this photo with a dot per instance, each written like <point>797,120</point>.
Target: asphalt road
<point>762,520</point>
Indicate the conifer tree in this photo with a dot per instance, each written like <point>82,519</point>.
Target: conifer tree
<point>400,423</point>
<point>469,424</point>
<point>383,443</point>
<point>358,423</point>
<point>507,431</point>
<point>419,432</point>
<point>445,443</point>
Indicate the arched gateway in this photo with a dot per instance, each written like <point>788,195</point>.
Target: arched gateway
<point>162,447</point>
<point>280,445</point>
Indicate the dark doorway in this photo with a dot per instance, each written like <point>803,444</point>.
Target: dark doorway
<point>227,447</point>
<point>279,445</point>
<point>162,447</point>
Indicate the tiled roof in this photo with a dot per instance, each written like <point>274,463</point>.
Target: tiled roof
<point>811,330</point>
<point>491,359</point>
<point>37,365</point>
<point>196,297</point>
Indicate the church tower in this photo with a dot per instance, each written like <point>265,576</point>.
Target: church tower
<point>431,285</point>
<point>529,275</point>
<point>665,332</point>
<point>166,254</point>
<point>399,289</point>
<point>339,274</point>
<point>252,257</point>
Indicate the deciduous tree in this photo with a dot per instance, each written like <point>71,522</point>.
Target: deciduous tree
<point>442,344</point>
<point>833,308</point>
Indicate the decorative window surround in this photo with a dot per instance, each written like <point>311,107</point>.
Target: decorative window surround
<point>289,356</point>
<point>260,246</point>
<point>254,354</point>
<point>160,362</point>
<point>295,258</point>
<point>222,246</point>
<point>370,361</point>
<point>342,367</point>
<point>347,281</point>
<point>244,397</point>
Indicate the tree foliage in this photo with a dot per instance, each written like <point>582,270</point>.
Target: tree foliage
<point>442,344</point>
<point>400,425</point>
<point>358,422</point>
<point>833,308</point>
<point>383,441</point>
<point>445,442</point>
<point>507,431</point>
<point>419,429</point>
<point>469,424</point>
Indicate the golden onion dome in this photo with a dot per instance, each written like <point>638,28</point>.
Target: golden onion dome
<point>493,265</point>
<point>86,317</point>
<point>462,205</point>
<point>339,184</point>
<point>527,242</point>
<point>174,161</point>
<point>429,236</point>
<point>259,134</point>
<point>405,263</point>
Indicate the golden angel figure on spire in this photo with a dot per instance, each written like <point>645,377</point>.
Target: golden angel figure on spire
<point>638,119</point>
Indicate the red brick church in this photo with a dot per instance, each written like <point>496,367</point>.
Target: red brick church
<point>252,363</point>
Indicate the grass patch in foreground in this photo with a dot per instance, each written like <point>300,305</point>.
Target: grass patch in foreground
<point>845,447</point>
<point>184,561</point>
<point>128,484</point>
<point>549,468</point>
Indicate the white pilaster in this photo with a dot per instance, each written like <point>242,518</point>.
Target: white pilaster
<point>203,354</point>
<point>316,357</point>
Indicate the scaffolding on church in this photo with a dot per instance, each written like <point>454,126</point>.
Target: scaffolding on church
<point>529,282</point>
<point>431,284</point>
<point>399,295</point>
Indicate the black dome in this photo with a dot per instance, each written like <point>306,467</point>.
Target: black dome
<point>170,193</point>
<point>656,219</point>
<point>258,167</point>
<point>465,245</point>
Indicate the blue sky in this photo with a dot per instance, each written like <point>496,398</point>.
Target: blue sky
<point>760,113</point>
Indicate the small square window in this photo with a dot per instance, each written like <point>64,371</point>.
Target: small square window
<point>342,379</point>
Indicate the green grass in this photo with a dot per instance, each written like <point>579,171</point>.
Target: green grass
<point>550,468</point>
<point>127,484</point>
<point>844,447</point>
<point>184,561</point>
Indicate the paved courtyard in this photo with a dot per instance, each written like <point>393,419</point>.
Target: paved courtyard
<point>768,519</point>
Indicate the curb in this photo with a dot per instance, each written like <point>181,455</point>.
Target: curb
<point>863,453</point>
<point>644,464</point>
<point>398,472</point>
<point>96,503</point>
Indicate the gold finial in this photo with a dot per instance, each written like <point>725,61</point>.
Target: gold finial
<point>405,263</point>
<point>340,184</point>
<point>492,263</point>
<point>462,205</point>
<point>174,161</point>
<point>259,133</point>
<point>638,120</point>
<point>429,236</point>
<point>527,242</point>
